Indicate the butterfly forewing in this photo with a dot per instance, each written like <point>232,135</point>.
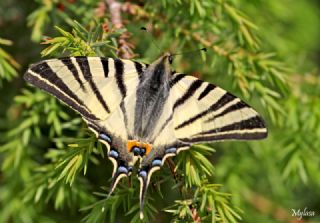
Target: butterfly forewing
<point>93,86</point>
<point>205,113</point>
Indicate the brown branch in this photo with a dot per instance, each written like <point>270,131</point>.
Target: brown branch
<point>195,217</point>
<point>125,48</point>
<point>115,12</point>
<point>172,167</point>
<point>136,11</point>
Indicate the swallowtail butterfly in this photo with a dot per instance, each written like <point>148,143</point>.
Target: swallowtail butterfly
<point>145,112</point>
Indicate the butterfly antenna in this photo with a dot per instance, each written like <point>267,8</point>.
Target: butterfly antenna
<point>189,52</point>
<point>152,39</point>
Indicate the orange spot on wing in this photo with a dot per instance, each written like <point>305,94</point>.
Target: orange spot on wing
<point>132,143</point>
<point>148,147</point>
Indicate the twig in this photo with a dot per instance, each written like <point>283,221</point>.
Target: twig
<point>172,168</point>
<point>195,217</point>
<point>135,10</point>
<point>115,12</point>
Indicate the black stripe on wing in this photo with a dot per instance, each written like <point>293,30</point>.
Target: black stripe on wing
<point>228,136</point>
<point>188,94</point>
<point>252,128</point>
<point>247,124</point>
<point>56,90</point>
<point>85,69</point>
<point>119,72</point>
<point>139,69</point>
<point>105,66</point>
<point>119,69</point>
<point>68,63</point>
<point>226,98</point>
<point>44,70</point>
<point>206,91</point>
<point>239,105</point>
<point>176,78</point>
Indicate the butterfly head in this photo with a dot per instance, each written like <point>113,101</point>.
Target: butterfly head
<point>159,72</point>
<point>168,57</point>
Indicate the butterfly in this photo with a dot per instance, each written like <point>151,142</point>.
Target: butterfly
<point>145,112</point>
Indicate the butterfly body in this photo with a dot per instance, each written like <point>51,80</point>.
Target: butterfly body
<point>145,113</point>
<point>151,95</point>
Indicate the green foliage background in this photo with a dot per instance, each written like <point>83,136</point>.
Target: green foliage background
<point>266,52</point>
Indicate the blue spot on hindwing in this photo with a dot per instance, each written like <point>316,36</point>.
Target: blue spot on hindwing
<point>113,154</point>
<point>156,162</point>
<point>105,137</point>
<point>142,151</point>
<point>171,150</point>
<point>122,169</point>
<point>143,174</point>
<point>136,151</point>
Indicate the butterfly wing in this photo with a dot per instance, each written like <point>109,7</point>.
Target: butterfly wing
<point>204,112</point>
<point>96,88</point>
<point>196,112</point>
<point>92,86</point>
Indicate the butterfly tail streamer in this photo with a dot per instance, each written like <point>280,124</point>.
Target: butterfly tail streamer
<point>144,183</point>
<point>144,176</point>
<point>114,182</point>
<point>120,172</point>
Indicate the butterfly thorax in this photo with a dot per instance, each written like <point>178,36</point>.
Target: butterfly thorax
<point>151,96</point>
